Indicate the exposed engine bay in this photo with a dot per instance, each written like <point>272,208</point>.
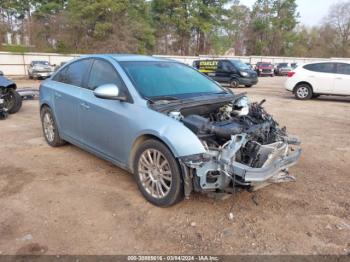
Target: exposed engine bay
<point>244,147</point>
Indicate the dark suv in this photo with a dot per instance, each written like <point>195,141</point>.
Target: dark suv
<point>232,72</point>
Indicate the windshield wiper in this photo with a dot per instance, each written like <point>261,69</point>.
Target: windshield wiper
<point>154,99</point>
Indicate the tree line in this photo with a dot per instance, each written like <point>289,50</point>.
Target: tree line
<point>174,27</point>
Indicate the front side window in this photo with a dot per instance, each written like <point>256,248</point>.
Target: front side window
<point>240,65</point>
<point>102,73</point>
<point>227,67</point>
<point>343,69</point>
<point>153,79</point>
<point>76,71</point>
<point>321,67</point>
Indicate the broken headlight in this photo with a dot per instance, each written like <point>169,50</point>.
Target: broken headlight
<point>241,106</point>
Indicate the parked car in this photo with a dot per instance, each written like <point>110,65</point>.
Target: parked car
<point>232,72</point>
<point>282,69</point>
<point>174,128</point>
<point>319,78</point>
<point>264,68</point>
<point>39,69</point>
<point>293,65</point>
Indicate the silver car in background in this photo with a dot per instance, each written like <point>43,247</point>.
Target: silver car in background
<point>174,128</point>
<point>39,69</point>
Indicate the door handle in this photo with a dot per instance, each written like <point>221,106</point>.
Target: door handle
<point>57,95</point>
<point>85,106</point>
<point>312,76</point>
<point>339,78</point>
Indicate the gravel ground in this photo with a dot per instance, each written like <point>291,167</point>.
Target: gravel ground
<point>66,201</point>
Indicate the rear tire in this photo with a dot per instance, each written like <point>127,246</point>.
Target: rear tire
<point>158,174</point>
<point>50,129</point>
<point>303,92</point>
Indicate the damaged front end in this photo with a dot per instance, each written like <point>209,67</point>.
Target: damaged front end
<point>245,147</point>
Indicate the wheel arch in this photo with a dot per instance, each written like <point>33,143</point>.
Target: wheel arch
<point>44,105</point>
<point>138,141</point>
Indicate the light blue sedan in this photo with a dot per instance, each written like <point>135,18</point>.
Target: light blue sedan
<point>174,128</point>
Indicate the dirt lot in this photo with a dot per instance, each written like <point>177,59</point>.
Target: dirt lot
<point>66,201</point>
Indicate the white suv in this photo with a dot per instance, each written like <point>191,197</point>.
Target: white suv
<point>319,78</point>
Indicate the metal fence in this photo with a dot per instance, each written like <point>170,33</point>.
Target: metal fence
<point>16,64</point>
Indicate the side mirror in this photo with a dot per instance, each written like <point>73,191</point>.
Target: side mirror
<point>109,91</point>
<point>1,73</point>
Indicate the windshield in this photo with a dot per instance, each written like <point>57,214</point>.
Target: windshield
<point>283,65</point>
<point>40,63</point>
<point>156,79</point>
<point>240,65</point>
<point>265,65</point>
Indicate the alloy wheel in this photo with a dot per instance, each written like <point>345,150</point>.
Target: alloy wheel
<point>155,173</point>
<point>49,128</point>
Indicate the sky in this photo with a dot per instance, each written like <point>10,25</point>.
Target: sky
<point>311,11</point>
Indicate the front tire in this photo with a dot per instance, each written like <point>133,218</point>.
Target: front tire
<point>234,83</point>
<point>303,92</point>
<point>248,85</point>
<point>158,174</point>
<point>13,101</point>
<point>50,129</point>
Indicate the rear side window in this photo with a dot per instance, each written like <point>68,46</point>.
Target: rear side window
<point>102,73</point>
<point>76,71</point>
<point>321,67</point>
<point>60,76</point>
<point>343,69</point>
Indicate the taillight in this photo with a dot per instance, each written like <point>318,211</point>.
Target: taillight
<point>291,73</point>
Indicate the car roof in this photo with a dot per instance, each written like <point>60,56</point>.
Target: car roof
<point>130,57</point>
<point>328,61</point>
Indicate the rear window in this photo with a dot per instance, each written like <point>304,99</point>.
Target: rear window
<point>343,69</point>
<point>40,63</point>
<point>321,67</point>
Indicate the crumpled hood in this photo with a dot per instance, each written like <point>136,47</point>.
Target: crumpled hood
<point>7,83</point>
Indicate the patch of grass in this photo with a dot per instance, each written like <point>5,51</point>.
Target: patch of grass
<point>15,48</point>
